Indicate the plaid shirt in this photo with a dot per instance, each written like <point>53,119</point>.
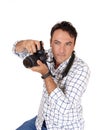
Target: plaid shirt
<point>62,109</point>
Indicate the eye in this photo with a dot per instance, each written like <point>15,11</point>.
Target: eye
<point>68,43</point>
<point>57,42</point>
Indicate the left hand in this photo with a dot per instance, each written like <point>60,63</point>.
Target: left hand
<point>41,68</point>
<point>49,82</point>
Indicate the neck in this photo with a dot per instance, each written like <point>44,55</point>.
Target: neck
<point>56,65</point>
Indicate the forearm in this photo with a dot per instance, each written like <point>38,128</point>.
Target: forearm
<point>50,84</point>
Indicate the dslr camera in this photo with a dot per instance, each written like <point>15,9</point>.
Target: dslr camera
<point>31,60</point>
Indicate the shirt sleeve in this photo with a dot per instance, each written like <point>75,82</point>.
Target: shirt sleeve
<point>75,87</point>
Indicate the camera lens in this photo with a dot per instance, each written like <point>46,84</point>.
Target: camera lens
<point>29,62</point>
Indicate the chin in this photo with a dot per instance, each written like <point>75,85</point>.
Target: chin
<point>60,61</point>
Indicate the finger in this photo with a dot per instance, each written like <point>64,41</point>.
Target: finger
<point>29,45</point>
<point>34,68</point>
<point>38,45</point>
<point>33,48</point>
<point>39,62</point>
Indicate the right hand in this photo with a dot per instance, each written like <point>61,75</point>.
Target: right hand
<point>30,45</point>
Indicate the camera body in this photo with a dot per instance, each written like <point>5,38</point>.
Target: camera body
<point>31,60</point>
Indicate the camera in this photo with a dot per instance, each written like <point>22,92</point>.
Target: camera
<point>31,60</point>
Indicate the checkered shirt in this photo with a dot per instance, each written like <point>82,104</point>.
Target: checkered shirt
<point>62,109</point>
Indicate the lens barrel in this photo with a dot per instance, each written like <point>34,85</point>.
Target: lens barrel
<point>29,61</point>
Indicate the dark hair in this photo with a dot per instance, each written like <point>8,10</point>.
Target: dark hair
<point>65,26</point>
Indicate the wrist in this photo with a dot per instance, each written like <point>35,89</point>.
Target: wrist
<point>44,76</point>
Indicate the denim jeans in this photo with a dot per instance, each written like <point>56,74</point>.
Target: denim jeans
<point>30,125</point>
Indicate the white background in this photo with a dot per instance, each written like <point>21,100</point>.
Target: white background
<point>20,88</point>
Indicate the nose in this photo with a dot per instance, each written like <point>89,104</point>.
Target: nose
<point>62,49</point>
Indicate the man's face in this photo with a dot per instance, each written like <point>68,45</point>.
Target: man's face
<point>62,45</point>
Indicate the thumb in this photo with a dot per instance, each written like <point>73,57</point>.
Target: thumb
<point>39,62</point>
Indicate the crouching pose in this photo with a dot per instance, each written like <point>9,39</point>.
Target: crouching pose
<point>65,79</point>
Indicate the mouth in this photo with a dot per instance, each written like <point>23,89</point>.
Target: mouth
<point>60,58</point>
<point>61,55</point>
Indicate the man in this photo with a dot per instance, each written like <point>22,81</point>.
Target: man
<point>65,79</point>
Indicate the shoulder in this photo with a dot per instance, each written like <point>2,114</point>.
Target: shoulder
<point>79,63</point>
<point>80,66</point>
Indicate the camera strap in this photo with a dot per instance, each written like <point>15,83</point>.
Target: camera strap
<point>66,70</point>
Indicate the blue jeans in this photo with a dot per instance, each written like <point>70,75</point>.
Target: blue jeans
<point>30,125</point>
